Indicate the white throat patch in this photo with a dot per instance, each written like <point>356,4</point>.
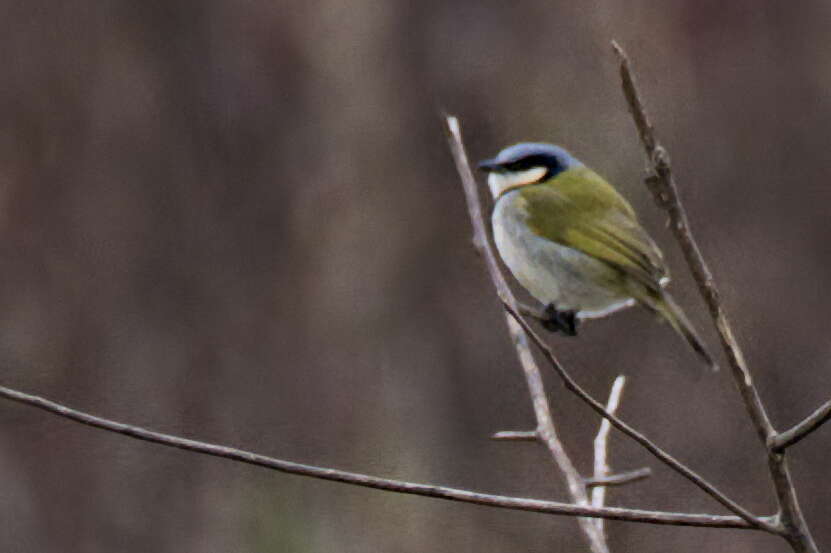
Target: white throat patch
<point>498,182</point>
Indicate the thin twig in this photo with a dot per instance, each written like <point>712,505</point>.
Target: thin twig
<point>516,436</point>
<point>398,486</point>
<point>794,434</point>
<point>601,448</point>
<point>482,245</point>
<point>618,479</point>
<point>662,185</point>
<point>547,435</point>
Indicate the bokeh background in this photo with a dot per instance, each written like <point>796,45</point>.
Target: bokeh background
<point>238,221</point>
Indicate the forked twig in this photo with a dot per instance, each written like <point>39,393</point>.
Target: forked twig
<point>546,433</point>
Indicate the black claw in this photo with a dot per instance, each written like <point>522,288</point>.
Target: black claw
<point>550,324</point>
<point>560,321</point>
<point>569,322</point>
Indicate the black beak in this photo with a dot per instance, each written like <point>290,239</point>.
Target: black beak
<point>489,165</point>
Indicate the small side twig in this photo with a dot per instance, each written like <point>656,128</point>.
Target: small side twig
<point>618,479</point>
<point>517,436</point>
<point>795,434</point>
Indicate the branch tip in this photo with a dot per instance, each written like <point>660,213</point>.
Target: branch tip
<point>618,50</point>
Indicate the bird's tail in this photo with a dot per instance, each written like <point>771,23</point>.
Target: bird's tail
<point>666,307</point>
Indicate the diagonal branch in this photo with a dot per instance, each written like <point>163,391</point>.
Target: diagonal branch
<point>480,241</point>
<point>365,480</point>
<point>663,187</point>
<point>793,435</point>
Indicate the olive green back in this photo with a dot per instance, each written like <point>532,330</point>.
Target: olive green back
<point>579,209</point>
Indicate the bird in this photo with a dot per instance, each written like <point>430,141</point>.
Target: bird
<point>575,243</point>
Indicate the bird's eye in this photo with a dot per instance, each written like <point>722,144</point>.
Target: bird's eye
<point>516,166</point>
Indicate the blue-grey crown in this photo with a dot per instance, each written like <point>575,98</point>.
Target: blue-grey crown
<point>538,153</point>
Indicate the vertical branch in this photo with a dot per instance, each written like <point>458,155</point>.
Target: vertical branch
<point>601,447</point>
<point>662,185</point>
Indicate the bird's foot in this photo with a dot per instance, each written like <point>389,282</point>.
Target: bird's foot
<point>565,321</point>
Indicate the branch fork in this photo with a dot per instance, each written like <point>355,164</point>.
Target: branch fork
<point>812,422</point>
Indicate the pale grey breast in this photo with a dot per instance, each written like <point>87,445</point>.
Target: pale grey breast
<point>551,272</point>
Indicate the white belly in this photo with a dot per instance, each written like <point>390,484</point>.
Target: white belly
<point>551,272</point>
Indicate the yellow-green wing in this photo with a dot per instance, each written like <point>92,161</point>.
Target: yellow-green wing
<point>580,210</point>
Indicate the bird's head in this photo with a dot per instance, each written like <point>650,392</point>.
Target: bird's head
<point>526,163</point>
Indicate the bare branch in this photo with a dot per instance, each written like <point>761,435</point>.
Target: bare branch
<point>482,245</point>
<point>357,479</point>
<point>601,448</point>
<point>547,435</point>
<point>619,479</point>
<point>793,435</point>
<point>663,187</point>
<point>516,436</point>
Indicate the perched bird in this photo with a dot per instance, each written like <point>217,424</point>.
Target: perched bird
<point>574,242</point>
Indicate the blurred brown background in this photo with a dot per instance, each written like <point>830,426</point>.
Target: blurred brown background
<point>238,221</point>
